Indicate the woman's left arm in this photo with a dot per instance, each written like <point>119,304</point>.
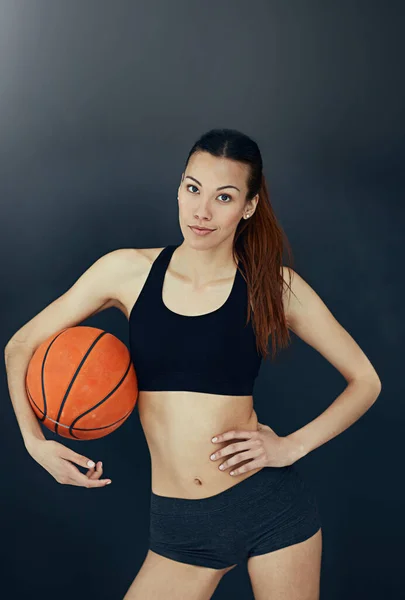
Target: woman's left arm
<point>309,318</point>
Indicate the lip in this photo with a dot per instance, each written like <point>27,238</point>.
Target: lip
<point>201,231</point>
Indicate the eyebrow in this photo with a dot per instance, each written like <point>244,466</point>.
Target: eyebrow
<point>220,188</point>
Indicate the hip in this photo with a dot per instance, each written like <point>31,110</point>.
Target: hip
<point>273,508</point>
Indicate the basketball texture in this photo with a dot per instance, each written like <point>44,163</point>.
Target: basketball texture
<point>81,383</point>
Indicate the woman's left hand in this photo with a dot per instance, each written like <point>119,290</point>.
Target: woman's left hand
<point>264,446</point>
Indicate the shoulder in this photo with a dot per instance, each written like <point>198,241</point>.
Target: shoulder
<point>125,265</point>
<point>124,260</point>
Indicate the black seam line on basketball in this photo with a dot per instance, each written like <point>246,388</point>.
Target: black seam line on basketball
<point>43,369</point>
<point>103,400</point>
<point>77,428</point>
<point>39,409</point>
<point>84,428</point>
<point>35,404</point>
<point>97,428</point>
<point>64,400</point>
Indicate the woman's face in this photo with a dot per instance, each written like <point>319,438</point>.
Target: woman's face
<point>202,204</point>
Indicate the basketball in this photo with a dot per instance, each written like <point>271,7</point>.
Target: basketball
<point>81,383</point>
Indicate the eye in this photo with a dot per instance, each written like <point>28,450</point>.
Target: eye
<point>192,185</point>
<point>228,197</point>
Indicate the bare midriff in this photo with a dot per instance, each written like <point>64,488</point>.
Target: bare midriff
<point>179,426</point>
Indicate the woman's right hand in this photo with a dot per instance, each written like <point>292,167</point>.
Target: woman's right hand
<point>57,459</point>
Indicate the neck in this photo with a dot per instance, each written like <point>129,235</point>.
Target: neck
<point>202,265</point>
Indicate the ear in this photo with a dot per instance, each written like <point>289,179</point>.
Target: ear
<point>253,202</point>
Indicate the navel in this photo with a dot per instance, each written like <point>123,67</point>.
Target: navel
<point>197,481</point>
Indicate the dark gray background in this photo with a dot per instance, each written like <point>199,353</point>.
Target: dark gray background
<point>99,104</point>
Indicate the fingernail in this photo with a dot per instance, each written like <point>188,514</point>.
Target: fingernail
<point>101,464</point>
<point>214,439</point>
<point>90,463</point>
<point>108,482</point>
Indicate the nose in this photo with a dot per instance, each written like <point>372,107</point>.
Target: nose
<point>203,211</point>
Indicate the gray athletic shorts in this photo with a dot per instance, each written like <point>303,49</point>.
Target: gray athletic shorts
<point>269,510</point>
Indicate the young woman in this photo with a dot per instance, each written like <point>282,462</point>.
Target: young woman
<point>200,315</point>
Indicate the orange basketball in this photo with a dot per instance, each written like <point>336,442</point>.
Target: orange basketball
<point>81,383</point>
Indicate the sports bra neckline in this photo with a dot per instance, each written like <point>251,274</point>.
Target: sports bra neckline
<point>170,251</point>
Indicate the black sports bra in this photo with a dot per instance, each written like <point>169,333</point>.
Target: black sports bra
<point>213,353</point>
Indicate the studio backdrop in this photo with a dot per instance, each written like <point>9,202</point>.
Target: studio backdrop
<point>100,103</point>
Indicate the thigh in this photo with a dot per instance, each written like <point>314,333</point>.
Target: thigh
<point>162,577</point>
<point>290,573</point>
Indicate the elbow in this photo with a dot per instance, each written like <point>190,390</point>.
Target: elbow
<point>18,344</point>
<point>372,382</point>
<point>375,382</point>
<point>8,351</point>
<point>8,347</point>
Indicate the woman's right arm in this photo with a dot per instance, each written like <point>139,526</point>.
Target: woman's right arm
<point>95,290</point>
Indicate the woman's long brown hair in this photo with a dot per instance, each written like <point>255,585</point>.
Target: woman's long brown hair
<point>259,241</point>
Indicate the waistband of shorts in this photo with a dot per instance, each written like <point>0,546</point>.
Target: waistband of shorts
<point>260,483</point>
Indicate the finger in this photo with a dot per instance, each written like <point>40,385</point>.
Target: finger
<point>239,458</point>
<point>76,458</point>
<point>90,473</point>
<point>231,448</point>
<point>233,434</point>
<point>84,481</point>
<point>95,473</point>
<point>253,464</point>
<point>98,471</point>
<point>77,476</point>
